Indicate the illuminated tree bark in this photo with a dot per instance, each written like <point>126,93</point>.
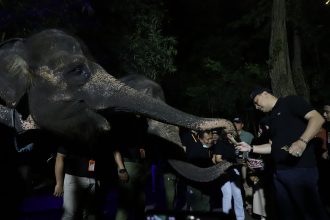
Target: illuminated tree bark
<point>297,67</point>
<point>279,62</point>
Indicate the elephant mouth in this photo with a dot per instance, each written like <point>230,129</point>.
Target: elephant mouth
<point>73,109</point>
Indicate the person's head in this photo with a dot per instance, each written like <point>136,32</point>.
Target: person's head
<point>263,99</point>
<point>239,124</point>
<point>216,134</point>
<point>206,138</point>
<point>326,112</point>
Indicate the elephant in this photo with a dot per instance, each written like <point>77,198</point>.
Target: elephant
<point>170,133</point>
<point>69,94</point>
<point>65,92</point>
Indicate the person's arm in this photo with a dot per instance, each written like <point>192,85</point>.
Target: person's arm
<point>216,158</point>
<point>258,149</point>
<point>315,122</point>
<point>59,175</point>
<point>122,172</point>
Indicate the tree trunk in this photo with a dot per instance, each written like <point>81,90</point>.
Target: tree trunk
<point>279,62</point>
<point>297,69</point>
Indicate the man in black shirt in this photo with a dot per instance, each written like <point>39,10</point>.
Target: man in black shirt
<point>230,182</point>
<point>293,123</point>
<point>129,143</point>
<point>198,152</point>
<point>75,181</point>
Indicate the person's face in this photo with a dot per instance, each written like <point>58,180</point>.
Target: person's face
<point>207,139</point>
<point>326,112</point>
<point>239,125</point>
<point>262,103</point>
<point>215,137</point>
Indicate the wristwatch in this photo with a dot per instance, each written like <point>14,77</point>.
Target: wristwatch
<point>251,150</point>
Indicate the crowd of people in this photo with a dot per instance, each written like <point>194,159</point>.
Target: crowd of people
<point>278,173</point>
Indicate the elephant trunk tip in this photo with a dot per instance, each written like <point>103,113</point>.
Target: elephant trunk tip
<point>106,127</point>
<point>217,123</point>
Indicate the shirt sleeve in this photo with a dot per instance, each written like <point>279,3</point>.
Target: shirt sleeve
<point>299,106</point>
<point>62,150</point>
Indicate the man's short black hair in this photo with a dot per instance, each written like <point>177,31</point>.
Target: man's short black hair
<point>258,90</point>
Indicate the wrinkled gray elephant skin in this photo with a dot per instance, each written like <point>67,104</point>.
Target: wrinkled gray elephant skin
<point>200,174</point>
<point>171,134</point>
<point>66,89</point>
<point>149,87</point>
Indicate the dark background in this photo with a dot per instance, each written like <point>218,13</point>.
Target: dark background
<point>207,54</point>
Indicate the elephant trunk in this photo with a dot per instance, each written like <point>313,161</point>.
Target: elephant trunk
<point>165,131</point>
<point>120,97</point>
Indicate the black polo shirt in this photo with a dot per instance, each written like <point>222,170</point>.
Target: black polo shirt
<point>77,159</point>
<point>195,152</point>
<point>226,150</point>
<point>128,135</point>
<point>228,153</point>
<point>287,123</point>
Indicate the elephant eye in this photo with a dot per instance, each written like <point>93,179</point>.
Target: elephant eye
<point>78,75</point>
<point>79,71</point>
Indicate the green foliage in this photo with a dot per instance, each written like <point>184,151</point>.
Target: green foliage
<point>220,91</point>
<point>213,66</point>
<point>149,51</point>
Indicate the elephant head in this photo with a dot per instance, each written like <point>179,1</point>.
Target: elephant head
<point>68,92</point>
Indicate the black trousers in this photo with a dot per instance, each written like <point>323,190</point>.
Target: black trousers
<point>297,195</point>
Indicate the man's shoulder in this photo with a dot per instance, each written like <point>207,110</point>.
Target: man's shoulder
<point>293,98</point>
<point>297,104</point>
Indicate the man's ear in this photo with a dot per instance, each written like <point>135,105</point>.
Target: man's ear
<point>14,74</point>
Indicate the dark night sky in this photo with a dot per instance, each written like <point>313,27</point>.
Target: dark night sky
<point>233,32</point>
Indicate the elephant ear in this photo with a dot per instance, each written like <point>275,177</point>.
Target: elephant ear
<point>14,72</point>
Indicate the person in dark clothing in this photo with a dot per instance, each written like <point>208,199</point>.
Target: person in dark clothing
<point>76,181</point>
<point>230,182</point>
<point>165,192</point>
<point>198,152</point>
<point>130,149</point>
<point>259,174</point>
<point>293,123</point>
<point>198,148</point>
